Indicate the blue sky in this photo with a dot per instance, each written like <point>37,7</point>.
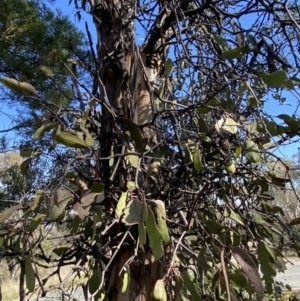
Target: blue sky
<point>272,106</point>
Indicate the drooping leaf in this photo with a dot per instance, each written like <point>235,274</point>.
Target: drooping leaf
<point>161,216</point>
<point>16,86</point>
<point>95,281</point>
<point>197,160</point>
<point>43,129</point>
<point>154,236</point>
<point>190,286</point>
<point>159,291</point>
<point>121,204</point>
<point>25,166</point>
<point>126,279</point>
<point>136,134</point>
<point>238,151</point>
<point>168,67</point>
<point>142,233</point>
<point>250,269</point>
<point>30,276</point>
<point>133,212</point>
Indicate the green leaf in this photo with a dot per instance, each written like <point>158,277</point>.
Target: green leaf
<point>238,151</point>
<point>238,278</point>
<point>265,257</point>
<point>252,151</point>
<point>30,276</point>
<point>60,250</point>
<point>197,160</point>
<point>44,128</point>
<point>97,187</point>
<point>130,185</point>
<point>220,41</point>
<point>168,67</point>
<point>142,233</point>
<point>126,279</point>
<point>235,53</point>
<point>35,222</point>
<point>275,79</point>
<point>136,134</point>
<point>202,261</point>
<point>154,236</point>
<point>29,152</point>
<point>133,212</point>
<point>251,39</point>
<point>69,140</point>
<point>16,86</point>
<point>161,216</point>
<point>95,281</point>
<point>134,160</point>
<point>121,204</point>
<point>295,221</point>
<point>60,201</point>
<point>190,286</point>
<point>231,168</point>
<point>236,217</point>
<point>8,212</point>
<point>25,166</point>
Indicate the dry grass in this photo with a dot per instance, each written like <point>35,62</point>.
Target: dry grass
<point>10,287</point>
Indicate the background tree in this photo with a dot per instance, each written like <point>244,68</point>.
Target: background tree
<point>168,154</point>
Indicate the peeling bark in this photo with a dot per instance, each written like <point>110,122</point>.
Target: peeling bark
<point>127,74</point>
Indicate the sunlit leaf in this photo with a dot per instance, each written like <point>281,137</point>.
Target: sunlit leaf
<point>154,236</point>
<point>121,204</point>
<point>161,216</point>
<point>133,212</point>
<point>159,291</point>
<point>16,86</point>
<point>252,151</point>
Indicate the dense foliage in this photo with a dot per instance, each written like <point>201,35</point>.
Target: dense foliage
<point>165,171</point>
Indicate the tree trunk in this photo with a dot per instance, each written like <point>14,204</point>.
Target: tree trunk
<point>126,77</point>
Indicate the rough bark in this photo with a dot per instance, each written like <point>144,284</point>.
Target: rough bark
<point>126,77</point>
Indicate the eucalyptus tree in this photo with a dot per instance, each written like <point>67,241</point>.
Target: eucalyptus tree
<point>171,157</point>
